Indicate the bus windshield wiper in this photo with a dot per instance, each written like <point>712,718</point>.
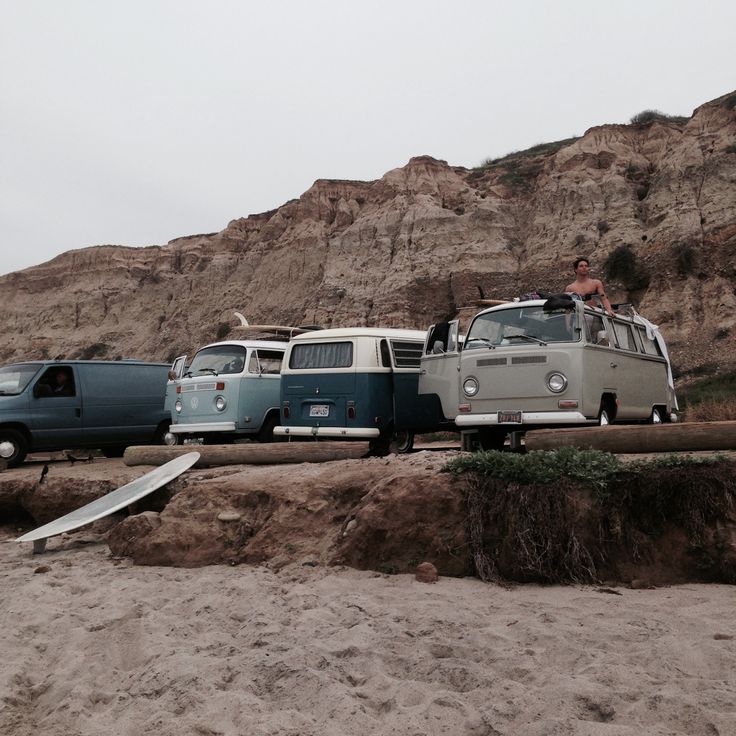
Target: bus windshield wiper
<point>530,338</point>
<point>483,340</point>
<point>208,370</point>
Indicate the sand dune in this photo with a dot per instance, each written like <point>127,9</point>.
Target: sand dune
<point>96,645</point>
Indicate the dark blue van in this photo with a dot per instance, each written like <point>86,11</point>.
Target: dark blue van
<point>55,405</point>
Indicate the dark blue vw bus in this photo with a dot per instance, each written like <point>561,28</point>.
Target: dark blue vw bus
<point>357,383</point>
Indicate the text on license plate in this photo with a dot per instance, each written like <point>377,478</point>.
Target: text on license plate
<point>319,410</point>
<point>509,417</point>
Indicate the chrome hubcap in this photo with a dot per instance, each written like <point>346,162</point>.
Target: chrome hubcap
<point>7,449</point>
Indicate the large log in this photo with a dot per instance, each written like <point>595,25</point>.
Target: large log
<point>638,438</point>
<point>274,453</point>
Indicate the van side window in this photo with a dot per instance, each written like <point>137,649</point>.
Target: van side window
<point>406,354</point>
<point>385,354</point>
<point>267,362</point>
<point>650,346</point>
<point>322,355</point>
<point>624,336</point>
<point>56,381</point>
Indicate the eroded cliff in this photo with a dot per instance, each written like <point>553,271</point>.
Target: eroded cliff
<point>410,248</point>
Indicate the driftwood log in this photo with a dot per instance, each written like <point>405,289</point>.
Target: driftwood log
<point>638,438</point>
<point>275,453</point>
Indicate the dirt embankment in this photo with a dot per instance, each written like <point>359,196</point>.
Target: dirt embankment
<point>389,514</point>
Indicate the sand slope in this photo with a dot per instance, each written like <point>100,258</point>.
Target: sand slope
<point>99,646</point>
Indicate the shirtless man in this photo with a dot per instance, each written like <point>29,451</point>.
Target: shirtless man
<point>587,287</point>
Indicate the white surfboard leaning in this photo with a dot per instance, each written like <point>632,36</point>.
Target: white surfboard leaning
<point>111,502</point>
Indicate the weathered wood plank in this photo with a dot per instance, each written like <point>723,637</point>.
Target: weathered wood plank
<point>275,453</point>
<point>638,438</point>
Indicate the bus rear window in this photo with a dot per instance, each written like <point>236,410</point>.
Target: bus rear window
<point>322,355</point>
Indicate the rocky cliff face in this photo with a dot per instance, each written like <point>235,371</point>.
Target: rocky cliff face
<point>657,201</point>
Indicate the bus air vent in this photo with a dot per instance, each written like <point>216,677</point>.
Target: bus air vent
<point>491,361</point>
<point>526,359</point>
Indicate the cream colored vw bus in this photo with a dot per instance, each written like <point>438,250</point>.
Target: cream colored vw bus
<point>547,363</point>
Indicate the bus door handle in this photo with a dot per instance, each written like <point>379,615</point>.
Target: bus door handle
<point>423,372</point>
<point>614,365</point>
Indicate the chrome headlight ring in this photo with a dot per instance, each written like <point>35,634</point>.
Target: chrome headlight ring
<point>470,386</point>
<point>556,382</point>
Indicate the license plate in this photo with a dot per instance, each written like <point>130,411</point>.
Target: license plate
<point>319,410</point>
<point>509,417</point>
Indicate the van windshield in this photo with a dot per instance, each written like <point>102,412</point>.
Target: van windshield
<point>217,360</point>
<point>15,378</point>
<point>521,325</point>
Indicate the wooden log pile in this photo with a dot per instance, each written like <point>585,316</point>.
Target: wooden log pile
<point>638,438</point>
<point>275,453</point>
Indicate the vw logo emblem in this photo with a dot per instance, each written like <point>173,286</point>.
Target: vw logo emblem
<point>194,403</point>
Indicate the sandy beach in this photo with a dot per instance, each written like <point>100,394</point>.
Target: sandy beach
<point>97,645</point>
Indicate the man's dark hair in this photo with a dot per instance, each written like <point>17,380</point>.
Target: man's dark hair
<point>578,261</point>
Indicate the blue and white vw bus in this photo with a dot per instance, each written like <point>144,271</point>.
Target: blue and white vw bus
<point>357,383</point>
<point>230,390</point>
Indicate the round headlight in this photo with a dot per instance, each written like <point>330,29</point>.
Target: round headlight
<point>220,403</point>
<point>470,386</point>
<point>177,406</point>
<point>556,382</point>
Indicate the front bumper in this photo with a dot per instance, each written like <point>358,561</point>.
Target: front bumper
<point>203,427</point>
<point>527,417</point>
<point>365,433</point>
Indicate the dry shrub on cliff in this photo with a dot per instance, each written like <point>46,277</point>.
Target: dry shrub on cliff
<point>622,265</point>
<point>712,410</point>
<point>562,516</point>
<point>650,116</point>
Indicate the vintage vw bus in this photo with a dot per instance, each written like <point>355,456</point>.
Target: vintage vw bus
<point>357,383</point>
<point>230,390</point>
<point>548,363</point>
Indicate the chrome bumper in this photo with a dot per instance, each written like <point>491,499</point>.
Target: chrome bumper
<point>365,433</point>
<point>527,417</point>
<point>204,427</point>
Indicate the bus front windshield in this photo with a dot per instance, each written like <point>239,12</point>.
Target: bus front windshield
<point>522,325</point>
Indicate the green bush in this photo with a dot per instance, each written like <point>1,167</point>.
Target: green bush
<point>622,265</point>
<point>646,117</point>
<point>685,259</point>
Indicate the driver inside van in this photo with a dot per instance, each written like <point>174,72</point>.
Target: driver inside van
<point>61,383</point>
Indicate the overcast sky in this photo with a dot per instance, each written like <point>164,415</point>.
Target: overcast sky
<point>138,121</point>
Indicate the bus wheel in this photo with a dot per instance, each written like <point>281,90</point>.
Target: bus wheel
<point>13,447</point>
<point>656,416</point>
<point>266,432</point>
<point>491,438</point>
<point>402,442</point>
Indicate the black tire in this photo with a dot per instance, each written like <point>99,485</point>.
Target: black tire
<point>116,451</point>
<point>491,438</point>
<point>265,434</point>
<point>161,432</point>
<point>13,447</point>
<point>402,442</point>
